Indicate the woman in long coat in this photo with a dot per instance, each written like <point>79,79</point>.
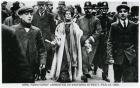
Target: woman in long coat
<point>67,61</point>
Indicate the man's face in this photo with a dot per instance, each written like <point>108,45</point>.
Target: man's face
<point>68,15</point>
<point>123,14</point>
<point>104,10</point>
<point>50,6</point>
<point>35,8</point>
<point>41,7</point>
<point>88,11</point>
<point>75,11</point>
<point>27,17</point>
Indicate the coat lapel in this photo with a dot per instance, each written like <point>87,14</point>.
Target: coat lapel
<point>120,26</point>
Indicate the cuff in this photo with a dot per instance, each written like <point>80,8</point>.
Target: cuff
<point>92,39</point>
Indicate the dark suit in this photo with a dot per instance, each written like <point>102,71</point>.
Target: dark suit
<point>122,47</point>
<point>47,26</point>
<point>32,46</point>
<point>14,66</point>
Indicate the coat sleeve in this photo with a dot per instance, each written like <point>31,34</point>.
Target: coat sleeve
<point>98,30</point>
<point>41,48</point>
<point>110,45</point>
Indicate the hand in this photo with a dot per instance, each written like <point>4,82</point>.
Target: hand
<point>53,42</point>
<point>87,41</point>
<point>58,41</point>
<point>88,46</point>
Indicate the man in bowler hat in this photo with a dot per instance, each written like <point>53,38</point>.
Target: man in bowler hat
<point>122,46</point>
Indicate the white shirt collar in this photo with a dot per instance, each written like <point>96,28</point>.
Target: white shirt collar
<point>122,22</point>
<point>27,29</point>
<point>40,13</point>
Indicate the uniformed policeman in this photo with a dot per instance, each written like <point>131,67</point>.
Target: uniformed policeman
<point>90,25</point>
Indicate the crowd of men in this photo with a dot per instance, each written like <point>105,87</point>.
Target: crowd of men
<point>68,44</point>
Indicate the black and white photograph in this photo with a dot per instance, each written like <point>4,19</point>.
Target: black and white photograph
<point>69,41</point>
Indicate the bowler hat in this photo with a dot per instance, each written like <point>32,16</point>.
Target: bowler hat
<point>49,3</point>
<point>24,10</point>
<point>123,6</point>
<point>88,5</point>
<point>61,3</point>
<point>41,3</point>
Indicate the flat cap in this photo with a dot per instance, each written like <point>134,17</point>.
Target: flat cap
<point>23,10</point>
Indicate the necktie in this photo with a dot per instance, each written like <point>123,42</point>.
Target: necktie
<point>124,23</point>
<point>42,14</point>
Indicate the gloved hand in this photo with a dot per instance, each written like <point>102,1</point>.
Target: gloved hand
<point>91,39</point>
<point>88,46</point>
<point>42,66</point>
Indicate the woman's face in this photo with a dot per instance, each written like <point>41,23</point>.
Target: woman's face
<point>68,15</point>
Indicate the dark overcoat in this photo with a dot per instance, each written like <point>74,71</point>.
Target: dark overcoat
<point>32,46</point>
<point>15,69</point>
